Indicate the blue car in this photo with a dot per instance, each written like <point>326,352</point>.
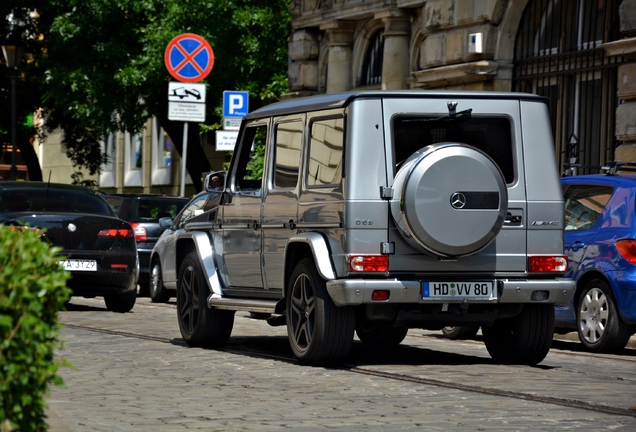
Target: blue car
<point>600,242</point>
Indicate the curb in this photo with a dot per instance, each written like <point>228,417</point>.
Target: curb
<point>574,337</point>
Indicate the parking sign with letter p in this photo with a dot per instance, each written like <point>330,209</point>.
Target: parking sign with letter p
<point>235,103</point>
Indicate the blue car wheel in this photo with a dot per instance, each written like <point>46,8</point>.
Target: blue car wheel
<point>599,325</point>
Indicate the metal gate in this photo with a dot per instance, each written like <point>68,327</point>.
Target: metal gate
<point>559,54</point>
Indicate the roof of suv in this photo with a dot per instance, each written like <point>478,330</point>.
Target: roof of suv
<point>338,100</point>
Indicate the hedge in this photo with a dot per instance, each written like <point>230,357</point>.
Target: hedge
<point>32,291</point>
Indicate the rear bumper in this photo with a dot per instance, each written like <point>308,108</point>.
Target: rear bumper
<point>348,292</point>
<point>108,279</point>
<point>101,283</point>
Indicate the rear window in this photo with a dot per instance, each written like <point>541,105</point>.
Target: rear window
<point>149,208</point>
<point>145,208</point>
<point>492,135</point>
<point>53,200</point>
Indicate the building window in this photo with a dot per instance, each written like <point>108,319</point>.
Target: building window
<point>161,155</point>
<point>558,54</point>
<point>372,66</point>
<point>137,149</point>
<point>133,159</point>
<point>109,148</point>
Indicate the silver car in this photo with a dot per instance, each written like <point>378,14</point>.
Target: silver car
<point>163,257</point>
<point>376,212</point>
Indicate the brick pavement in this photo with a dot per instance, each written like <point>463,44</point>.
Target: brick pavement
<point>130,384</point>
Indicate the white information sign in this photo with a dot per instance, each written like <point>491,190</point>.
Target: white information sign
<point>232,123</point>
<point>186,92</point>
<point>225,140</point>
<point>183,111</point>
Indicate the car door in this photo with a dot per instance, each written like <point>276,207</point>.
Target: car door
<point>584,206</point>
<point>280,204</point>
<point>241,216</point>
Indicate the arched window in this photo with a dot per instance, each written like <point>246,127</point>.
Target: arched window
<point>558,54</point>
<point>372,66</point>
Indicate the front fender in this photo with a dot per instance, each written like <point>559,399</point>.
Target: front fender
<point>205,254</point>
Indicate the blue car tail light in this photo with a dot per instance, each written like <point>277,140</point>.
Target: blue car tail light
<point>627,249</point>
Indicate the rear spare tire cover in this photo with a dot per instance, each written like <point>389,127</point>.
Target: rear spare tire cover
<point>449,199</point>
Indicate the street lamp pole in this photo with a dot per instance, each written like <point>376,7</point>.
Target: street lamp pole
<point>13,174</point>
<point>12,50</point>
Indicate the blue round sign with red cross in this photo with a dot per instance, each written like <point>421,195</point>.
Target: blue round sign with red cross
<point>189,58</point>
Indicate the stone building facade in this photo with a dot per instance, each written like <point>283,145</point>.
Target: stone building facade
<point>573,52</point>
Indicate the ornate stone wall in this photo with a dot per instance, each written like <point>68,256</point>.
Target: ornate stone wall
<point>434,44</point>
<point>626,82</point>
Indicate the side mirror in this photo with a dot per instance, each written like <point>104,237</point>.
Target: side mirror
<point>165,222</point>
<point>215,181</point>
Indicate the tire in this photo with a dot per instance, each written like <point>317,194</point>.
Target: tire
<point>449,200</point>
<point>143,287</point>
<point>157,292</point>
<point>460,332</point>
<point>200,325</point>
<point>319,332</point>
<point>599,326</point>
<point>380,335</point>
<point>524,339</point>
<point>121,302</point>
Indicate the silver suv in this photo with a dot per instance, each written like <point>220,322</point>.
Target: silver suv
<point>375,212</point>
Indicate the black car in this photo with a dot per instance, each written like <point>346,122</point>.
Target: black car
<point>143,212</point>
<point>98,247</point>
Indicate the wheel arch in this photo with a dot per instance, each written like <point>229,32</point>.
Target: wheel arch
<point>584,280</point>
<point>616,297</point>
<point>200,242</point>
<point>305,245</point>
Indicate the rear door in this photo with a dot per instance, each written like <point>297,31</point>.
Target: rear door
<point>584,205</point>
<point>280,203</point>
<point>491,127</point>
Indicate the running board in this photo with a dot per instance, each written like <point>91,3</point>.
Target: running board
<point>248,305</point>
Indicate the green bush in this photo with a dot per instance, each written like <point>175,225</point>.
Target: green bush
<point>32,291</point>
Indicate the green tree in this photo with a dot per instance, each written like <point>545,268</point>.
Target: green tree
<point>99,64</point>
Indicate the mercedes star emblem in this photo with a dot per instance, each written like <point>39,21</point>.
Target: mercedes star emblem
<point>458,200</point>
<point>71,227</point>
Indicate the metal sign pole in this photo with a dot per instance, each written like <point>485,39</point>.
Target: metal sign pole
<point>184,155</point>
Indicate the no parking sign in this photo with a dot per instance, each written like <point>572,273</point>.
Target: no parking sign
<point>189,58</point>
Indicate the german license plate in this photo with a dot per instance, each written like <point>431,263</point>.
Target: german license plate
<point>79,265</point>
<point>483,290</point>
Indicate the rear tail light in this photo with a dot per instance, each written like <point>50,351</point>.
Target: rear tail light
<point>627,249</point>
<point>116,232</point>
<point>369,263</point>
<point>547,264</point>
<point>140,232</point>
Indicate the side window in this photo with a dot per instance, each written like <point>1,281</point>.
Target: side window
<point>192,210</point>
<point>249,172</point>
<point>325,153</point>
<point>289,140</point>
<point>584,205</point>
